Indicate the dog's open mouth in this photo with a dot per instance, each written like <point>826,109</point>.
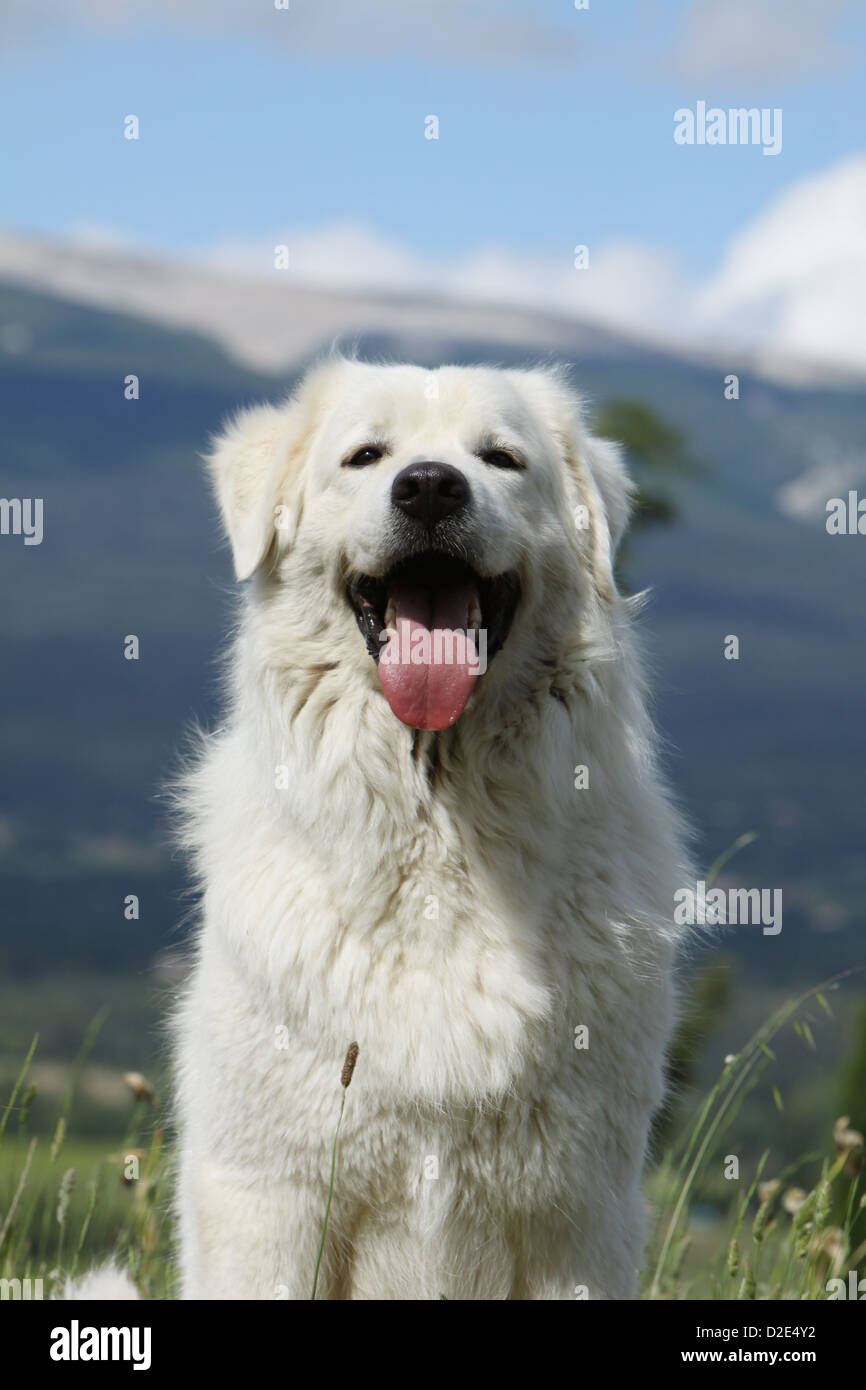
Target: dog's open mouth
<point>432,625</point>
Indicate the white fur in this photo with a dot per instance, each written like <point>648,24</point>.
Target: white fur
<point>107,1284</point>
<point>449,900</point>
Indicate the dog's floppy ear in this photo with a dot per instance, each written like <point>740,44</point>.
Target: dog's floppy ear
<point>256,466</point>
<point>596,465</point>
<point>615,487</point>
<point>249,464</point>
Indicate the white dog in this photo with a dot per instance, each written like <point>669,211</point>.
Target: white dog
<point>442,836</point>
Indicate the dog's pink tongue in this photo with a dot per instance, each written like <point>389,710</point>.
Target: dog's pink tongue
<point>429,665</point>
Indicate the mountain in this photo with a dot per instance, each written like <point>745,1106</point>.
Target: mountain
<point>273,322</point>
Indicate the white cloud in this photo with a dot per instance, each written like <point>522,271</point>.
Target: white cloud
<point>758,40</point>
<point>792,283</point>
<point>627,285</point>
<point>795,280</point>
<point>344,255</point>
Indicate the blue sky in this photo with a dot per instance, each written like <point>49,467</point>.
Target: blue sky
<point>241,135</point>
<point>556,128</point>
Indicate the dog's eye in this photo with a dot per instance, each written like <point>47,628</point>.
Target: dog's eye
<point>371,453</point>
<point>500,458</point>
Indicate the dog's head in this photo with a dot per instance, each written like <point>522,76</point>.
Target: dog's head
<point>425,525</point>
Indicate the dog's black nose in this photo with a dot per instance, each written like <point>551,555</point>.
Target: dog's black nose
<point>428,492</point>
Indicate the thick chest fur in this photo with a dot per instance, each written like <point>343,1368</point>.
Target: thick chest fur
<point>461,969</point>
<point>460,929</point>
<point>431,965</point>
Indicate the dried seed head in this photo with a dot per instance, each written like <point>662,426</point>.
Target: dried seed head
<point>803,1241</point>
<point>823,1204</point>
<point>759,1225</point>
<point>768,1189</point>
<point>67,1182</point>
<point>845,1138</point>
<point>349,1064</point>
<point>833,1246</point>
<point>732,1263</point>
<point>140,1086</point>
<point>793,1200</point>
<point>803,1225</point>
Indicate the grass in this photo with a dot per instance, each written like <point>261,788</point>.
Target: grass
<point>777,1240</point>
<point>724,1227</point>
<point>68,1201</point>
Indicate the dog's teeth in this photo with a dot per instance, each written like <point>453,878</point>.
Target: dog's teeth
<point>390,614</point>
<point>475,614</point>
